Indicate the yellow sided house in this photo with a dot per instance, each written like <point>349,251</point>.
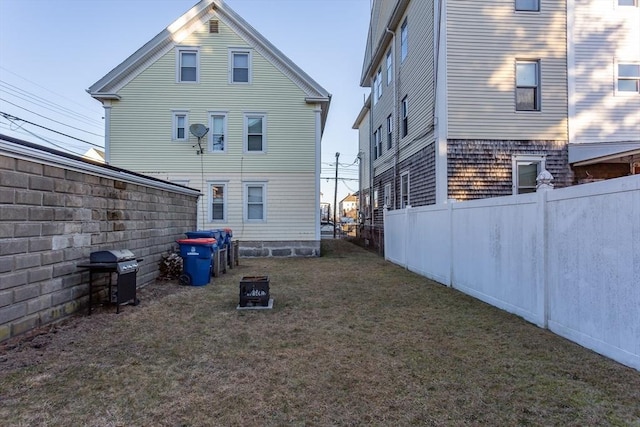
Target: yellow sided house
<point>211,104</point>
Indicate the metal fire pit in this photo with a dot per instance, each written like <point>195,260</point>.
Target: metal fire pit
<point>254,291</point>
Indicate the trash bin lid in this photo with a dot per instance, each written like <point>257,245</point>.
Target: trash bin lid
<point>203,241</point>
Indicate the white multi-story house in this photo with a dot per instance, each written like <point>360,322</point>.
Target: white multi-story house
<point>265,118</point>
<point>473,99</point>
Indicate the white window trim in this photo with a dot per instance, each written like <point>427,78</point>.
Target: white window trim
<point>179,50</point>
<point>213,114</point>
<point>404,42</point>
<point>245,133</point>
<point>378,81</point>
<point>616,76</point>
<point>402,204</point>
<point>387,195</point>
<point>174,125</point>
<point>248,51</point>
<point>225,186</point>
<point>527,10</point>
<point>389,131</point>
<point>404,110</point>
<point>245,200</point>
<point>376,195</point>
<point>538,94</point>
<point>518,158</point>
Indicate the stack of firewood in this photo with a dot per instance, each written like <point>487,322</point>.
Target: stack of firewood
<point>170,266</point>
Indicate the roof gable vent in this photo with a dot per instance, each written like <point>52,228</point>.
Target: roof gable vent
<point>213,26</point>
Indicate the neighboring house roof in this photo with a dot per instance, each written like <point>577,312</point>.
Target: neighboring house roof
<point>349,198</point>
<point>94,154</point>
<point>109,85</point>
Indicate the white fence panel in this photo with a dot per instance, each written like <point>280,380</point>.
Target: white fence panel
<point>567,259</point>
<point>594,267</point>
<point>495,253</point>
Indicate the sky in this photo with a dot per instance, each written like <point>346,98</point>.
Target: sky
<point>51,51</point>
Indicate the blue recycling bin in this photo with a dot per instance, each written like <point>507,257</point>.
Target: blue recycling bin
<point>197,256</point>
<point>215,233</point>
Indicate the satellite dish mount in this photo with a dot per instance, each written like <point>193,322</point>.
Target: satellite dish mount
<point>199,130</point>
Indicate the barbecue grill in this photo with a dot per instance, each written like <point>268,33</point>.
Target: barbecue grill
<point>124,264</point>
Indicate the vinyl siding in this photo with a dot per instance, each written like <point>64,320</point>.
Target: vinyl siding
<point>290,204</point>
<point>484,39</point>
<point>141,136</point>
<point>602,34</point>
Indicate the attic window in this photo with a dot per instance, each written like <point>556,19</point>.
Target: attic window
<point>213,26</point>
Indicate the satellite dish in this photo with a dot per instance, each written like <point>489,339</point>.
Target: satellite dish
<point>198,130</point>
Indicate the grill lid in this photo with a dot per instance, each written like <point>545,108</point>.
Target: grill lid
<point>114,255</point>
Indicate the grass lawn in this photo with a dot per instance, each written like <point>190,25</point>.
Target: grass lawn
<point>351,340</point>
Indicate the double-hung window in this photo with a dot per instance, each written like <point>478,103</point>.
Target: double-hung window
<point>405,117</point>
<point>187,64</point>
<point>525,171</point>
<point>217,131</point>
<point>627,2</point>
<point>629,77</point>
<point>255,133</point>
<point>389,67</point>
<point>180,126</point>
<point>387,195</point>
<point>255,201</point>
<point>378,82</point>
<point>377,143</point>
<point>527,85</point>
<point>240,66</point>
<point>218,197</point>
<point>389,132</point>
<point>404,40</point>
<point>404,190</point>
<point>528,5</point>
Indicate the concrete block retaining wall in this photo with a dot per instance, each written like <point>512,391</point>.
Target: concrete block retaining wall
<point>55,210</point>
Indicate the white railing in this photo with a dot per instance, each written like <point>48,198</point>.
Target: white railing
<point>567,260</point>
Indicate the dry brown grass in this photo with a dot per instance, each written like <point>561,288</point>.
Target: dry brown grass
<point>351,340</point>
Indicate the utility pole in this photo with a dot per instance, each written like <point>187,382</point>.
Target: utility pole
<point>335,199</point>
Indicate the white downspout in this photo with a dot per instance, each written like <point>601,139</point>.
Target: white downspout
<point>107,131</point>
<point>441,116</point>
<point>318,145</point>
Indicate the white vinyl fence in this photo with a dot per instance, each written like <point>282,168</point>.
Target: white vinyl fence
<point>565,259</point>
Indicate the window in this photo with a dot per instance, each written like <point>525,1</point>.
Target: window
<point>404,39</point>
<point>387,195</point>
<point>187,59</point>
<point>255,133</point>
<point>627,2</point>
<point>375,198</point>
<point>217,131</point>
<point>528,5</point>
<point>389,132</point>
<point>525,170</point>
<point>404,190</point>
<point>629,78</point>
<point>255,202</point>
<point>527,86</point>
<point>377,143</point>
<point>377,86</point>
<point>389,68</point>
<point>218,197</point>
<point>240,66</point>
<point>180,128</point>
<point>405,117</point>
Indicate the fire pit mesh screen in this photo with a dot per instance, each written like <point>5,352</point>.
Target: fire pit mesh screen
<point>254,291</point>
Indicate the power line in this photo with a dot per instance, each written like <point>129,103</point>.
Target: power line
<point>12,117</point>
<point>24,131</point>
<point>48,118</point>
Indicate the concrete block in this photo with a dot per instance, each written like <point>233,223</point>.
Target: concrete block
<point>40,214</point>
<point>13,213</point>
<point>8,163</point>
<point>72,254</point>
<point>26,261</point>
<point>51,286</point>
<point>6,298</point>
<point>53,199</point>
<point>14,179</point>
<point>38,304</point>
<point>53,172</point>
<point>28,197</point>
<point>61,297</point>
<point>13,279</point>
<point>39,244</point>
<point>6,264</point>
<point>5,332</point>
<point>25,292</point>
<point>63,269</point>
<point>25,324</point>
<point>52,257</point>
<point>14,246</point>
<point>39,274</point>
<point>42,183</point>
<point>74,201</point>
<point>27,229</point>
<point>29,167</point>
<point>72,228</point>
<point>12,312</point>
<point>60,242</point>
<point>81,240</point>
<point>281,252</point>
<point>6,230</point>
<point>63,214</point>
<point>7,196</point>
<point>52,229</point>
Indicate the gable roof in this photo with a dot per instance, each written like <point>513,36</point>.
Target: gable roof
<point>108,86</point>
